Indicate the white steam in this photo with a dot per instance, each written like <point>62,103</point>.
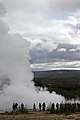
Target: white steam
<point>15,74</point>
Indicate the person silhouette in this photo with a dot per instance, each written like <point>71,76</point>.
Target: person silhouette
<point>57,106</point>
<point>16,105</point>
<point>44,106</point>
<point>22,106</point>
<point>53,106</point>
<point>13,107</point>
<point>40,106</point>
<point>34,106</point>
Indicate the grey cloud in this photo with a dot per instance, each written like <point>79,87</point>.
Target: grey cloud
<point>72,26</point>
<point>74,29</point>
<point>78,26</point>
<point>55,55</point>
<point>44,44</point>
<point>57,65</point>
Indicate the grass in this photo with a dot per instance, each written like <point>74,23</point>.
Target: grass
<point>69,87</point>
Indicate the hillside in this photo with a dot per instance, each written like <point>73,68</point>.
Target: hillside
<point>56,73</point>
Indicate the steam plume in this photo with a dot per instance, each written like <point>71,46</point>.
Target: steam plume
<point>15,73</point>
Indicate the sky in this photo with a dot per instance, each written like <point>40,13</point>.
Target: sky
<point>52,28</point>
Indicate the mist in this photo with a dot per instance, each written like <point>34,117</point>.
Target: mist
<point>16,77</point>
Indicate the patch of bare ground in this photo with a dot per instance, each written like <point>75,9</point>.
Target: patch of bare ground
<point>36,115</point>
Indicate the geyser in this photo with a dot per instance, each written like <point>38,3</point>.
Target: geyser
<point>15,73</point>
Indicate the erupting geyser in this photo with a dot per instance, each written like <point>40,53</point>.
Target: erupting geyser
<point>15,74</point>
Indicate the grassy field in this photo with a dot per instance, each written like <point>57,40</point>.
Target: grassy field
<point>69,87</point>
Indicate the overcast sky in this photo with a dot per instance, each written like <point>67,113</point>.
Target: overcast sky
<point>52,28</point>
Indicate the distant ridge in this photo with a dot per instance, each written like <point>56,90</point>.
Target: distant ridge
<point>56,73</point>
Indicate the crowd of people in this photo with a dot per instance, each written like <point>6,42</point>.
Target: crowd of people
<point>66,105</point>
<point>16,107</point>
<point>54,107</point>
<point>41,107</point>
<point>65,108</point>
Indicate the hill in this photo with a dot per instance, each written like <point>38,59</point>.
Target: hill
<point>56,73</point>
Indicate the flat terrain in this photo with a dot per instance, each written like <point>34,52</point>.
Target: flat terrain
<point>69,87</point>
<point>40,116</point>
<point>64,82</point>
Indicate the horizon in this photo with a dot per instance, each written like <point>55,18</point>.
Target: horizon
<point>57,70</point>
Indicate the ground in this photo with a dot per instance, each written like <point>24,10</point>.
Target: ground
<point>36,115</point>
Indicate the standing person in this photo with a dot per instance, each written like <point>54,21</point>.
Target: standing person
<point>53,106</point>
<point>22,106</point>
<point>57,106</point>
<point>34,107</point>
<point>61,106</point>
<point>44,106</point>
<point>78,106</point>
<point>13,107</point>
<point>16,105</point>
<point>40,106</point>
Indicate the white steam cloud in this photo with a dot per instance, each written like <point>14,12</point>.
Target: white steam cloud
<point>15,74</point>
